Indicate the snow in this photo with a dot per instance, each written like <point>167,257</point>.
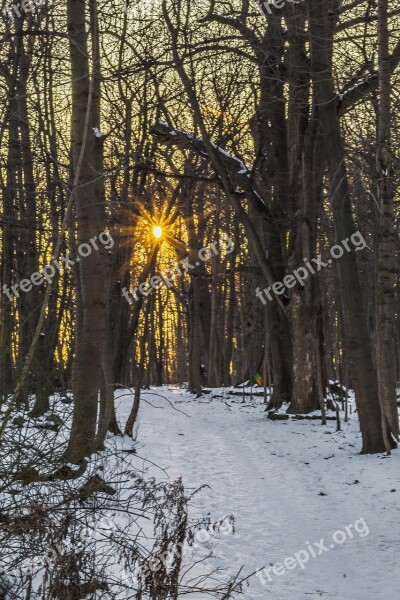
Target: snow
<point>97,132</point>
<point>242,169</point>
<point>293,500</point>
<point>287,483</point>
<point>359,84</point>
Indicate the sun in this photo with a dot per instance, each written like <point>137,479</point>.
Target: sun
<point>157,231</point>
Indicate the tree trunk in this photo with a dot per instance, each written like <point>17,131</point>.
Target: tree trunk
<point>386,302</point>
<point>90,221</point>
<point>358,339</point>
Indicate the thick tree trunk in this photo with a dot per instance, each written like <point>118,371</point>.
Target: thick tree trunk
<point>305,305</point>
<point>387,263</point>
<point>280,353</point>
<point>358,340</point>
<point>90,220</point>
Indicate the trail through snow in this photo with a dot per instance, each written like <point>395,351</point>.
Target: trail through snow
<point>288,484</point>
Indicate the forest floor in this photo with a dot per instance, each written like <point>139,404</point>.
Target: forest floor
<point>290,485</point>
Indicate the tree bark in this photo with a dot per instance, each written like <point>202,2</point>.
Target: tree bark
<point>358,340</point>
<point>90,221</point>
<point>386,302</point>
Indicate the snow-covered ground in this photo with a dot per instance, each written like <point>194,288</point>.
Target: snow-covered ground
<point>290,486</point>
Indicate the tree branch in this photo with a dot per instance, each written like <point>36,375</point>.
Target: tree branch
<point>359,91</point>
<point>239,174</point>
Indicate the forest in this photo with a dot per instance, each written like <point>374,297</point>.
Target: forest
<point>199,299</point>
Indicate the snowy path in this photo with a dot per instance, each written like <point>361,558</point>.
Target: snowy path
<point>271,477</point>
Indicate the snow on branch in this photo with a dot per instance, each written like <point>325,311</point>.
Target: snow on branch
<point>239,174</point>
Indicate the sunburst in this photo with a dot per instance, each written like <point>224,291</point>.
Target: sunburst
<point>157,231</point>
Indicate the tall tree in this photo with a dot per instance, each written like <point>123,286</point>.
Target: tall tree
<point>387,242</point>
<point>91,288</point>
